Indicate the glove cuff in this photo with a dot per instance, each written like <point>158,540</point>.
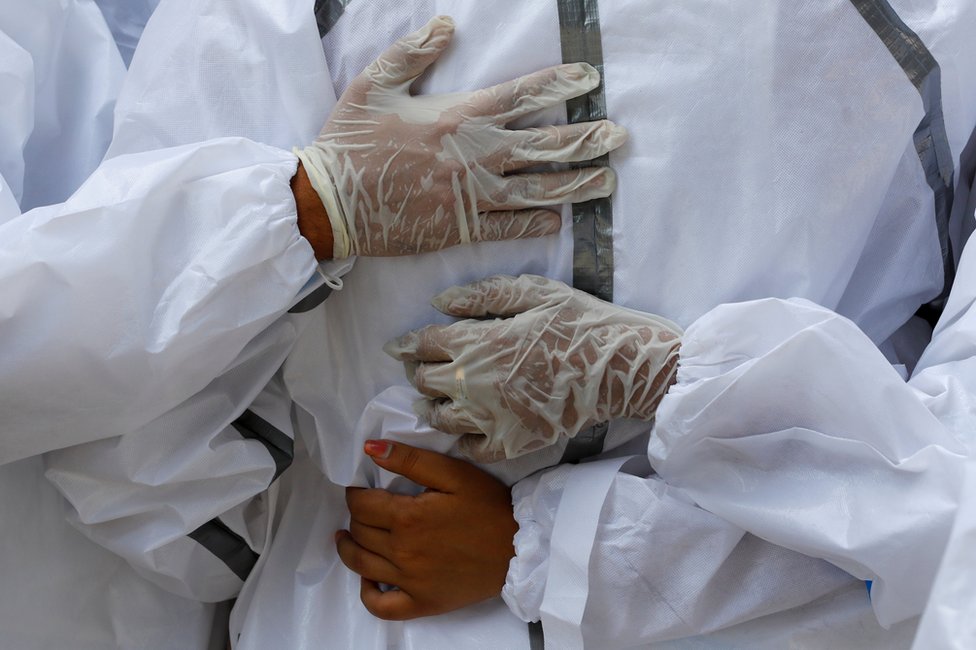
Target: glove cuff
<point>319,176</point>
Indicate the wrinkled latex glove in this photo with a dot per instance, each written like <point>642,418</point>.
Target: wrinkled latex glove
<point>401,174</point>
<point>555,361</point>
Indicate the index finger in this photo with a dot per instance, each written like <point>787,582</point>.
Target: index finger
<point>427,468</point>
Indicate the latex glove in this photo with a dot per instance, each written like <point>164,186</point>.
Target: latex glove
<point>556,361</point>
<point>401,174</point>
<point>443,549</point>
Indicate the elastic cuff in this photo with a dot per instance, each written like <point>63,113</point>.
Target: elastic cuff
<point>325,188</point>
<point>535,500</point>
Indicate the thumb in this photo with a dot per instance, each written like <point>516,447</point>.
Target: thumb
<point>427,468</point>
<point>498,295</point>
<point>407,59</point>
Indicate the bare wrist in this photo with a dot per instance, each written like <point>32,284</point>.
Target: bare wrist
<point>313,220</point>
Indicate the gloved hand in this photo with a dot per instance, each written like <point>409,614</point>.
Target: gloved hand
<point>555,361</point>
<point>401,174</point>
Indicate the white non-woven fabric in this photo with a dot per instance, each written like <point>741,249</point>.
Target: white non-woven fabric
<point>948,620</point>
<point>224,69</point>
<point>181,461</point>
<point>865,469</point>
<point>866,483</point>
<point>61,96</point>
<point>96,373</point>
<point>59,589</point>
<point>126,19</point>
<point>301,595</point>
<point>771,154</point>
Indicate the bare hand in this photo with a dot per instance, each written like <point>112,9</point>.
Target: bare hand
<point>443,549</point>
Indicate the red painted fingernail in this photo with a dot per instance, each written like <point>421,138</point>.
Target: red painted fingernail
<point>378,448</point>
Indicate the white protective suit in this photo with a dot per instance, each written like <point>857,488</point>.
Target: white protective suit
<point>61,74</point>
<point>776,150</point>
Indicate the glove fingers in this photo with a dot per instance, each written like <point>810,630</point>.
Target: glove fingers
<point>565,143</point>
<point>447,417</point>
<point>480,449</point>
<point>501,225</point>
<point>437,380</point>
<point>532,92</point>
<point>407,59</point>
<point>497,295</point>
<point>535,190</point>
<point>426,344</point>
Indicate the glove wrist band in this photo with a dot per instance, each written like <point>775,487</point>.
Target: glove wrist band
<point>325,188</point>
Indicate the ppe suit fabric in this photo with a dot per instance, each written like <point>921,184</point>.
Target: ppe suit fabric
<point>71,91</point>
<point>880,475</point>
<point>841,619</point>
<point>794,221</point>
<point>281,94</point>
<point>696,193</point>
<point>571,546</point>
<point>224,69</point>
<point>149,494</point>
<point>188,287</point>
<point>145,511</point>
<point>300,574</point>
<point>301,595</point>
<point>721,167</point>
<point>945,378</point>
<point>300,592</point>
<point>62,591</point>
<point>355,365</point>
<point>17,106</point>
<point>678,585</point>
<point>948,618</point>
<point>8,204</point>
<point>126,19</point>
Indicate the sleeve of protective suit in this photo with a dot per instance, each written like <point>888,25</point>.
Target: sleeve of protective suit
<point>659,567</point>
<point>185,500</point>
<point>130,297</point>
<point>787,421</point>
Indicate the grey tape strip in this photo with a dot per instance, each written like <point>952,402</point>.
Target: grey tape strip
<point>965,198</point>
<point>229,547</point>
<point>931,142</point>
<point>327,13</point>
<point>587,443</point>
<point>579,33</point>
<point>312,300</point>
<point>537,640</point>
<point>579,28</point>
<point>282,448</point>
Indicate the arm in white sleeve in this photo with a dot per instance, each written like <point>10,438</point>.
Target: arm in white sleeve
<point>949,620</point>
<point>130,297</point>
<point>186,500</point>
<point>787,421</point>
<point>660,567</point>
